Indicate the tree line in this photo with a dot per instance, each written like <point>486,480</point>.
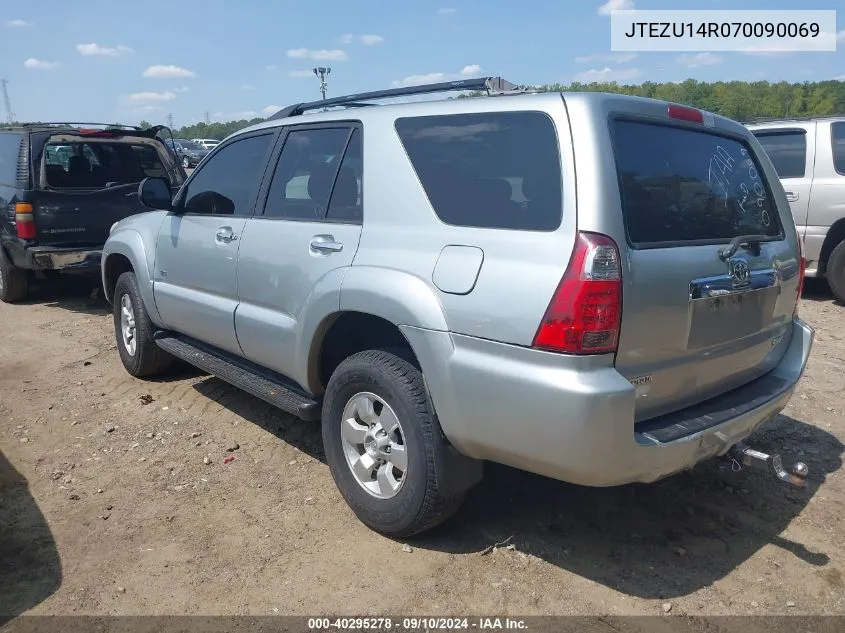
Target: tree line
<point>739,100</point>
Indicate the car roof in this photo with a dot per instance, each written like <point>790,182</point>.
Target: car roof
<point>786,122</point>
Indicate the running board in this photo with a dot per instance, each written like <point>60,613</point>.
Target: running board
<point>271,387</point>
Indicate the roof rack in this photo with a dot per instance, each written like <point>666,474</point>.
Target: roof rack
<point>491,85</point>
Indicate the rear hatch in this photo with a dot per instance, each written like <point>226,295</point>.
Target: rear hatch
<point>88,179</point>
<point>700,315</point>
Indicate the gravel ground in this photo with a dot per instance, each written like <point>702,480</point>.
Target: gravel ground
<point>115,499</point>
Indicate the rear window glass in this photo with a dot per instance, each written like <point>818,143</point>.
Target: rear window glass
<point>10,146</point>
<point>493,170</point>
<point>680,185</point>
<point>97,164</point>
<point>787,151</point>
<point>837,136</point>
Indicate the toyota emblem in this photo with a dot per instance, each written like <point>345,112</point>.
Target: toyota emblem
<point>739,271</point>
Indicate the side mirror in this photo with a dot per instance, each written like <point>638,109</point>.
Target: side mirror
<point>155,193</point>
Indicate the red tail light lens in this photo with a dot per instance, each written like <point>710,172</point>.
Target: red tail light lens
<point>585,312</point>
<point>683,113</point>
<point>24,221</point>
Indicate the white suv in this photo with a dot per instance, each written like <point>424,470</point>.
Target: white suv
<point>207,143</point>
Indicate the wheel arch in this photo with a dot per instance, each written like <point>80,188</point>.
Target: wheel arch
<point>835,234</point>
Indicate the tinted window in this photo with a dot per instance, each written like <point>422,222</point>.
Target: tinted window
<point>787,151</point>
<point>346,201</point>
<point>226,183</point>
<point>10,145</point>
<point>492,170</point>
<point>837,133</point>
<point>94,165</point>
<point>305,174</point>
<point>681,185</point>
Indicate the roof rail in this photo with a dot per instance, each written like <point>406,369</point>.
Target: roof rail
<point>78,124</point>
<point>492,85</point>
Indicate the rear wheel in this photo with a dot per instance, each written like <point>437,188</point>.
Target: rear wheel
<point>835,271</point>
<point>14,282</point>
<point>379,433</point>
<point>134,331</point>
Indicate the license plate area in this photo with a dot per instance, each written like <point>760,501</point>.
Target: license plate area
<point>720,312</point>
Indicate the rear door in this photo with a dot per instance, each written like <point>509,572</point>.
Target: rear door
<point>294,254</point>
<point>792,150</point>
<point>695,322</point>
<point>86,185</point>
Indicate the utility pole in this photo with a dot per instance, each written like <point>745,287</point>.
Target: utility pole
<point>321,72</point>
<point>207,117</point>
<point>10,116</point>
<point>170,120</point>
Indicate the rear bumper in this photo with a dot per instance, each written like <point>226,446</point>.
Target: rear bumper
<point>64,259</point>
<point>520,407</point>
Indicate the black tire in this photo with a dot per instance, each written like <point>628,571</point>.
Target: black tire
<point>148,358</point>
<point>835,271</point>
<point>420,503</point>
<point>14,282</point>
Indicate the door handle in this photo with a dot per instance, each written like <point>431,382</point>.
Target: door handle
<point>325,244</point>
<point>791,196</point>
<point>225,234</point>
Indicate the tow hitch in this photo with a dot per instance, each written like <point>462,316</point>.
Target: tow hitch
<point>744,456</point>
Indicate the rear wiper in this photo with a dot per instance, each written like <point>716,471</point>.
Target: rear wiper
<point>751,242</point>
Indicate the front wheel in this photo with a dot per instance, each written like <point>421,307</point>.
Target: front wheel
<point>380,433</point>
<point>134,331</point>
<point>186,163</point>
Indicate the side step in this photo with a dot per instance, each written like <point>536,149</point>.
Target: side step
<point>271,387</point>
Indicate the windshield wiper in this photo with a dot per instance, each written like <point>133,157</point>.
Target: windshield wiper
<point>751,242</point>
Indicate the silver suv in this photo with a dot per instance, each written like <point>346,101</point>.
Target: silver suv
<point>809,156</point>
<point>596,288</point>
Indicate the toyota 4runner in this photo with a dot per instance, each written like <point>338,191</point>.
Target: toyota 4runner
<point>596,288</point>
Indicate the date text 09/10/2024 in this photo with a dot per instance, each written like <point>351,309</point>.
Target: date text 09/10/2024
<point>416,624</point>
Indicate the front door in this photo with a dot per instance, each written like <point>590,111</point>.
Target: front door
<point>197,248</point>
<point>294,254</point>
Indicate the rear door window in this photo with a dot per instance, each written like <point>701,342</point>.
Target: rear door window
<point>498,170</point>
<point>680,186</point>
<point>787,151</point>
<point>837,137</point>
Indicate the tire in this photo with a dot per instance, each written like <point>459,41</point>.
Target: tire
<point>419,503</point>
<point>186,164</point>
<point>14,282</point>
<point>144,358</point>
<point>835,271</point>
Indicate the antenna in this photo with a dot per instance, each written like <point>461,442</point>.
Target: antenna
<point>321,72</point>
<point>10,116</point>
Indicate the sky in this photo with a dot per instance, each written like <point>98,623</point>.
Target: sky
<point>116,61</point>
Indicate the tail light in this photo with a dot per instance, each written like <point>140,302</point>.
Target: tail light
<point>24,221</point>
<point>684,113</point>
<point>585,312</point>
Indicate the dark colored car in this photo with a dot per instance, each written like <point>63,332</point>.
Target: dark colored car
<point>62,186</point>
<point>189,153</point>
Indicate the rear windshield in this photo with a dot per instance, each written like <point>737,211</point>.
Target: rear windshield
<point>97,164</point>
<point>488,170</point>
<point>681,185</point>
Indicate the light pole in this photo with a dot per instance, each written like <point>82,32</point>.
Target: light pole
<point>321,72</point>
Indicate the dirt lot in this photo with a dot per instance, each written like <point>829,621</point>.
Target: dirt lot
<point>107,506</point>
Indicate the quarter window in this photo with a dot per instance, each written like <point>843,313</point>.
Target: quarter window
<point>787,151</point>
<point>837,136</point>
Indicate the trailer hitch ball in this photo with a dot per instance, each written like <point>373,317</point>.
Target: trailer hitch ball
<point>751,458</point>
